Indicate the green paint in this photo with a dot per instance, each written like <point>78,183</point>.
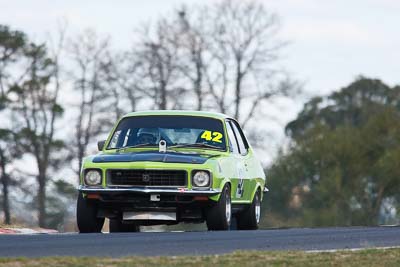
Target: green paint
<point>225,166</point>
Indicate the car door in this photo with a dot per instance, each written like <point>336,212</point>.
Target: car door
<point>248,181</point>
<point>237,164</point>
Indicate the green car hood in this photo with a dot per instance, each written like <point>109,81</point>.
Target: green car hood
<point>155,156</point>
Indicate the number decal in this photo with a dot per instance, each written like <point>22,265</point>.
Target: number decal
<point>214,136</point>
<point>240,186</point>
<point>217,137</point>
<point>206,135</point>
<point>240,189</point>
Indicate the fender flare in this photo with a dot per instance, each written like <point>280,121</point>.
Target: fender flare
<point>221,186</point>
<point>258,187</point>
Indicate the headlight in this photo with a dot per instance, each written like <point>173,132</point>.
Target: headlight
<point>93,177</point>
<point>201,179</point>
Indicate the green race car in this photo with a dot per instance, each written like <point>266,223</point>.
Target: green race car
<point>167,167</point>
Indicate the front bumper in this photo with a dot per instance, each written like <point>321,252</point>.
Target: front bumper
<point>147,190</point>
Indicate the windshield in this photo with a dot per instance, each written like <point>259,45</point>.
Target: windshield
<point>180,131</point>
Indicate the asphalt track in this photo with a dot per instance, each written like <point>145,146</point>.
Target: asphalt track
<point>196,243</point>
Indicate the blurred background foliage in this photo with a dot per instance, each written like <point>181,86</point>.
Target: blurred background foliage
<point>341,166</point>
<point>59,95</point>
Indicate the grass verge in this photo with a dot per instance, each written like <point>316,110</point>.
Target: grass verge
<point>369,257</point>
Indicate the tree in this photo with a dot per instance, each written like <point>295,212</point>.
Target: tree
<point>191,28</point>
<point>35,112</point>
<point>60,203</point>
<point>244,49</point>
<point>352,105</point>
<point>220,57</point>
<point>342,163</point>
<point>8,153</point>
<point>11,44</point>
<point>124,71</point>
<point>156,60</point>
<point>91,82</point>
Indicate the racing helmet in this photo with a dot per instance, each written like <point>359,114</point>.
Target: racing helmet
<point>147,135</point>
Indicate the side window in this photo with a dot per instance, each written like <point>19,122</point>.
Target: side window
<point>119,139</point>
<point>114,140</point>
<point>240,138</point>
<point>232,140</point>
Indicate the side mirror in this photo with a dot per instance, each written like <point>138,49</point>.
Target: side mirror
<point>100,145</point>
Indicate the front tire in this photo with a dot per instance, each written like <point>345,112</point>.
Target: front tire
<point>86,216</point>
<point>116,226</point>
<point>249,219</point>
<point>219,215</point>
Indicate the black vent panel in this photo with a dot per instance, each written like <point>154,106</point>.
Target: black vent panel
<point>147,177</point>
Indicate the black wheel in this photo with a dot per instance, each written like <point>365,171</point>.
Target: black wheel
<point>249,218</point>
<point>219,214</point>
<point>116,226</point>
<point>86,216</point>
<point>233,225</point>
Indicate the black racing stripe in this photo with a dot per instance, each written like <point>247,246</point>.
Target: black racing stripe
<point>168,157</point>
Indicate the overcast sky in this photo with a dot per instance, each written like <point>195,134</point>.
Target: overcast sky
<point>331,42</point>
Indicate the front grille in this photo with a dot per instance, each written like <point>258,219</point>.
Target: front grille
<point>147,177</point>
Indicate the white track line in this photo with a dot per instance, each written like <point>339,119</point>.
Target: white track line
<point>349,249</point>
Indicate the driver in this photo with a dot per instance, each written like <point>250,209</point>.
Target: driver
<point>147,136</point>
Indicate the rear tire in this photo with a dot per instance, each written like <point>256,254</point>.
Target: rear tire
<point>86,216</point>
<point>249,219</point>
<point>116,226</point>
<point>219,215</point>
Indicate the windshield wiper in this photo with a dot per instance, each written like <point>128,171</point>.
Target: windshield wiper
<point>134,146</point>
<point>201,145</point>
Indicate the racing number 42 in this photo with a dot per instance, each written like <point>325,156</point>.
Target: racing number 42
<point>212,136</point>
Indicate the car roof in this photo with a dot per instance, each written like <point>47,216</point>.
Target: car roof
<point>214,115</point>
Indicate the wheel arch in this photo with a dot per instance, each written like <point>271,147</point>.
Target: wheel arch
<point>222,184</point>
<point>256,188</point>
